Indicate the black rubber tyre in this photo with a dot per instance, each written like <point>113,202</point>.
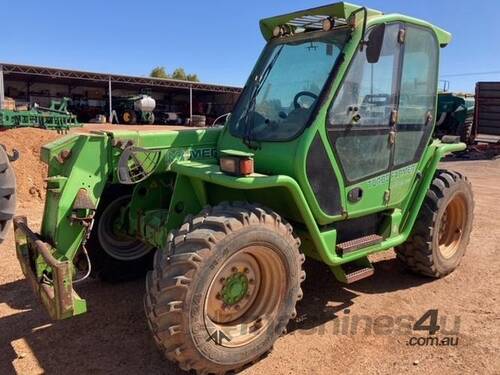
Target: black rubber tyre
<point>129,117</point>
<point>442,231</point>
<point>198,121</point>
<point>151,119</point>
<point>465,131</point>
<point>104,250</point>
<point>186,274</point>
<point>7,193</point>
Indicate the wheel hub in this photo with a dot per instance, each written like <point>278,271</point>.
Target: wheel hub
<point>452,225</point>
<point>244,295</point>
<point>113,239</point>
<point>235,288</point>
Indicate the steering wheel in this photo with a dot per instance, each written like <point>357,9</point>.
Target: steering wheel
<point>296,103</point>
<point>259,122</point>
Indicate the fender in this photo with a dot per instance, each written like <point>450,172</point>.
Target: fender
<point>278,192</point>
<point>317,243</point>
<point>435,153</point>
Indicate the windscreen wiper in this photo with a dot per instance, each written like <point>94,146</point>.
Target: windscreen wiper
<point>247,137</point>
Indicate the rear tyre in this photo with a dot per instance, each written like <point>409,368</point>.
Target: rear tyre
<point>465,130</point>
<point>7,193</point>
<point>442,231</point>
<point>114,255</point>
<point>129,117</point>
<point>224,288</point>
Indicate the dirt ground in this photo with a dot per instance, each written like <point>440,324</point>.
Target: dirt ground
<point>112,338</point>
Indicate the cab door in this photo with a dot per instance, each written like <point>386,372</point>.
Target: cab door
<point>417,106</point>
<point>361,122</point>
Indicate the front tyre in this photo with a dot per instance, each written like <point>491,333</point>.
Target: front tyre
<point>442,231</point>
<point>7,193</point>
<point>151,119</point>
<point>225,288</point>
<point>114,255</point>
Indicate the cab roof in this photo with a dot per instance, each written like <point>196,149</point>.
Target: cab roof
<point>313,18</point>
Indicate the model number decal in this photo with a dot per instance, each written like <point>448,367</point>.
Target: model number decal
<point>384,179</point>
<point>184,154</point>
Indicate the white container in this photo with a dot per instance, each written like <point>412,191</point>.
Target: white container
<point>145,104</point>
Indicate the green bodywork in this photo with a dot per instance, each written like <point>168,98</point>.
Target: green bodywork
<point>55,117</point>
<point>235,288</point>
<point>187,177</point>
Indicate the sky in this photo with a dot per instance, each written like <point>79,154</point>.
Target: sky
<point>218,40</point>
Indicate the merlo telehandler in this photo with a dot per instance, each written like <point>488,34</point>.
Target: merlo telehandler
<point>328,154</point>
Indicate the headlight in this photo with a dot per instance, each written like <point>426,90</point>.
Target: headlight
<point>236,165</point>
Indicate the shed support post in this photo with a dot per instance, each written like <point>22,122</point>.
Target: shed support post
<point>110,98</point>
<point>191,105</point>
<point>2,89</point>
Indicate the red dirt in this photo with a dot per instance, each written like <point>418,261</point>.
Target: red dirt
<point>113,338</point>
<point>30,171</point>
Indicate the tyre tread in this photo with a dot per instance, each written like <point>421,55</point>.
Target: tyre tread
<point>185,251</point>
<point>416,253</point>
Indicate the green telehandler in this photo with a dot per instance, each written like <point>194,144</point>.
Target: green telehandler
<point>328,154</point>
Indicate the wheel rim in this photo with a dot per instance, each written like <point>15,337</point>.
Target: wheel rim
<point>244,297</point>
<point>126,117</point>
<point>115,243</point>
<point>452,226</point>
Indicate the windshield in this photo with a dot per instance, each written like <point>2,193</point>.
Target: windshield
<point>280,95</point>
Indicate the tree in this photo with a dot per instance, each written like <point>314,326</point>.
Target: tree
<point>193,78</point>
<point>179,73</point>
<point>159,72</point>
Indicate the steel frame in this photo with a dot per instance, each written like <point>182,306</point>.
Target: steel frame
<point>55,73</point>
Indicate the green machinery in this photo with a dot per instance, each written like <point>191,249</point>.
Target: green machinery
<point>455,115</point>
<point>55,117</point>
<point>328,154</point>
<point>135,109</point>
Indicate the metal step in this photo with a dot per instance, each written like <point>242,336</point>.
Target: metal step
<point>353,271</point>
<point>359,243</point>
<point>359,274</point>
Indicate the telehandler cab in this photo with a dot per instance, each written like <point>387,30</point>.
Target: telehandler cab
<point>328,153</point>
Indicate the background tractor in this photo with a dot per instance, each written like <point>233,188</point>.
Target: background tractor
<point>327,154</point>
<point>135,109</point>
<point>455,115</point>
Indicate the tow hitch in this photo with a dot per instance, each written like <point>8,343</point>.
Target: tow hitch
<point>55,288</point>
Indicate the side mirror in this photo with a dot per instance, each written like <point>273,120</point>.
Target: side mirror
<point>226,116</point>
<point>374,44</point>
